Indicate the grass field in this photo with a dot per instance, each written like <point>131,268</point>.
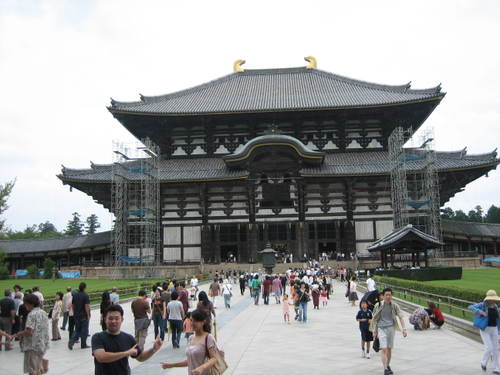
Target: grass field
<point>481,280</point>
<point>49,287</point>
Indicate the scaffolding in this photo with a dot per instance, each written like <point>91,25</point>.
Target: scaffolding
<point>135,204</point>
<point>414,182</point>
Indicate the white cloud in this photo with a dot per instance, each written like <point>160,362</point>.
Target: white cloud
<point>61,61</point>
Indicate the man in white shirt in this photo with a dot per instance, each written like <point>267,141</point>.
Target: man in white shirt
<point>194,283</point>
<point>114,297</point>
<point>370,283</point>
<point>37,293</point>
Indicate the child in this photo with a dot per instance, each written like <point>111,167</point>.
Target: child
<point>286,310</point>
<point>188,326</point>
<point>324,297</point>
<point>8,340</point>
<point>364,318</point>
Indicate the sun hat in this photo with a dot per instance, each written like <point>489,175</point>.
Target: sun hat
<point>491,295</point>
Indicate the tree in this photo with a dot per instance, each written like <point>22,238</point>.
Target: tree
<point>92,224</point>
<point>48,268</point>
<point>493,215</point>
<point>4,270</point>
<point>33,272</point>
<point>461,216</point>
<point>75,225</point>
<point>5,191</point>
<point>47,229</point>
<point>447,213</point>
<point>476,214</point>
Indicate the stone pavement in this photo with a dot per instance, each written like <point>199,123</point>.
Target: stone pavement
<point>256,341</point>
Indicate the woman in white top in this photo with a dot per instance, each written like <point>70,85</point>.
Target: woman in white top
<point>56,314</point>
<point>353,295</point>
<point>227,292</point>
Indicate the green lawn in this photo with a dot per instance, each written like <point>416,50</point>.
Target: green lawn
<point>481,280</point>
<point>49,287</point>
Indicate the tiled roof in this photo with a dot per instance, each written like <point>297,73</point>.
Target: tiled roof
<point>336,164</point>
<point>401,236</point>
<point>470,228</point>
<point>261,90</point>
<point>56,244</point>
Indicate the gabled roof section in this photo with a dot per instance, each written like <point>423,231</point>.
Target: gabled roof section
<point>407,237</point>
<point>265,90</point>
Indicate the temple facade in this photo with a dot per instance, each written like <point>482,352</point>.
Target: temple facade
<point>297,157</point>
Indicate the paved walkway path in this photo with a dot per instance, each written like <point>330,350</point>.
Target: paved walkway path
<point>256,341</point>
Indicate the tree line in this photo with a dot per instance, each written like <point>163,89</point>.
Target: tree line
<point>476,215</point>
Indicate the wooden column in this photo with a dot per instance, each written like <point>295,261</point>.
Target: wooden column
<point>302,230</point>
<point>206,240</point>
<point>252,225</point>
<point>217,256</point>
<point>426,258</point>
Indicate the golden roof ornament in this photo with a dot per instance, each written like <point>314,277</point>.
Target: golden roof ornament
<point>237,66</point>
<point>313,64</point>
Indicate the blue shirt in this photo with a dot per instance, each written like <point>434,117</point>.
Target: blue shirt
<point>364,315</point>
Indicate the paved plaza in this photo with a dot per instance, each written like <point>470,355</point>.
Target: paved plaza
<point>256,341</point>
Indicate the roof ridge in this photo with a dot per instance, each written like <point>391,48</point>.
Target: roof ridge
<point>470,222</point>
<point>56,238</point>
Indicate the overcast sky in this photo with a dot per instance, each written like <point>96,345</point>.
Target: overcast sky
<point>61,61</point>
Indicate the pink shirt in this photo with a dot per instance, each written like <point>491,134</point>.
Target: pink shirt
<point>276,285</point>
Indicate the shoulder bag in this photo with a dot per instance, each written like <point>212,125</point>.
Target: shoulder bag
<point>220,364</point>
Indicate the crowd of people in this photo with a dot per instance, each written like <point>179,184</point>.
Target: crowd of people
<point>175,310</point>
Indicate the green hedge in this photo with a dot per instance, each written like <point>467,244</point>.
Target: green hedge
<point>425,274</point>
<point>455,292</point>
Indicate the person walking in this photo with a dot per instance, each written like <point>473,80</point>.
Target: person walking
<point>141,309</point>
<point>487,319</point>
<point>205,305</point>
<point>286,309</point>
<point>304,298</point>
<point>201,350</point>
<point>56,314</point>
<point>315,296</point>
<point>364,318</point>
<point>159,308</point>
<point>112,348</point>
<point>242,284</point>
<point>35,337</point>
<point>227,293</point>
<point>370,284</point>
<point>81,313</point>
<point>386,318</point>
<point>256,289</point>
<point>36,292</point>
<point>266,289</point>
<point>353,294</point>
<point>214,291</point>
<point>175,313</point>
<point>323,298</point>
<point>114,297</point>
<point>277,289</point>
<point>194,284</point>
<point>7,317</point>
<point>66,302</point>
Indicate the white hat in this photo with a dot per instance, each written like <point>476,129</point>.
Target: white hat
<point>491,295</point>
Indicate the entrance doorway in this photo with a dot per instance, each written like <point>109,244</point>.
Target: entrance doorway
<point>229,253</point>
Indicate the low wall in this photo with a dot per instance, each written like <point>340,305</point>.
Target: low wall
<point>138,272</point>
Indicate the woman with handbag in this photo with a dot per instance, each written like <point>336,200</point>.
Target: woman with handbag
<point>56,314</point>
<point>487,319</point>
<point>203,356</point>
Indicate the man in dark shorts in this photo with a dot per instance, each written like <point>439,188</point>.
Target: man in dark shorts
<point>81,312</point>
<point>111,348</point>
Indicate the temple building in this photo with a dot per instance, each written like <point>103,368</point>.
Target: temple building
<point>297,157</point>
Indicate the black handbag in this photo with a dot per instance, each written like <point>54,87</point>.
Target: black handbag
<point>50,314</point>
<point>376,345</point>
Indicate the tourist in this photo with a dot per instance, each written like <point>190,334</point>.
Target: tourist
<point>18,301</point>
<point>105,303</point>
<point>56,314</point>
<point>419,319</point>
<point>7,317</point>
<point>304,298</point>
<point>256,289</point>
<point>435,315</point>
<point>286,309</point>
<point>227,293</point>
<point>371,298</point>
<point>66,302</point>
<point>81,313</point>
<point>141,308</point>
<point>36,292</point>
<point>364,317</point>
<point>114,297</point>
<point>315,296</point>
<point>188,326</point>
<point>353,295</point>
<point>7,343</point>
<point>71,318</point>
<point>323,297</point>
<point>175,312</point>
<point>194,284</point>
<point>205,305</point>
<point>159,316</point>
<point>242,284</point>
<point>17,289</point>
<point>214,291</point>
<point>183,295</point>
<point>277,289</point>
<point>266,289</point>
<point>23,316</point>
<point>111,348</point>
<point>487,316</point>
<point>383,326</point>
<point>370,284</point>
<point>200,346</point>
<point>35,337</point>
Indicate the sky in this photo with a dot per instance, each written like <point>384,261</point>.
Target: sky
<point>61,61</point>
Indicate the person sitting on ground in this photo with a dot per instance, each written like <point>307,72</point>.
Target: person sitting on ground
<point>419,319</point>
<point>435,315</point>
<point>111,348</point>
